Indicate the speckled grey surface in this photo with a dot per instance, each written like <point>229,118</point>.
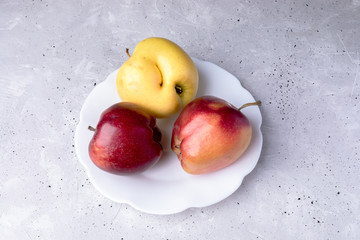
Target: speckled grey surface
<point>302,59</point>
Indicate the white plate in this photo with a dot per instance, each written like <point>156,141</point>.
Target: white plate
<point>166,188</point>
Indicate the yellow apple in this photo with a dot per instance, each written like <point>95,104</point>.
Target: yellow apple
<point>159,76</point>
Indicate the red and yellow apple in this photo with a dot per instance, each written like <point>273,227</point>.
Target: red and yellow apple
<point>159,76</point>
<point>210,134</point>
<point>126,140</point>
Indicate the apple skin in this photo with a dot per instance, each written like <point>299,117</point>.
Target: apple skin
<point>159,76</point>
<point>210,134</point>
<point>126,140</point>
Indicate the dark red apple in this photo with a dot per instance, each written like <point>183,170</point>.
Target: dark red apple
<point>126,140</point>
<point>210,134</point>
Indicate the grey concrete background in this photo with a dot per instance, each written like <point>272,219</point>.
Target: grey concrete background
<point>301,58</point>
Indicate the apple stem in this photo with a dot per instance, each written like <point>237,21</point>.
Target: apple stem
<point>257,103</point>
<point>91,128</point>
<point>127,52</point>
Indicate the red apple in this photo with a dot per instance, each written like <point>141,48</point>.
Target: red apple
<point>210,134</point>
<point>126,140</point>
